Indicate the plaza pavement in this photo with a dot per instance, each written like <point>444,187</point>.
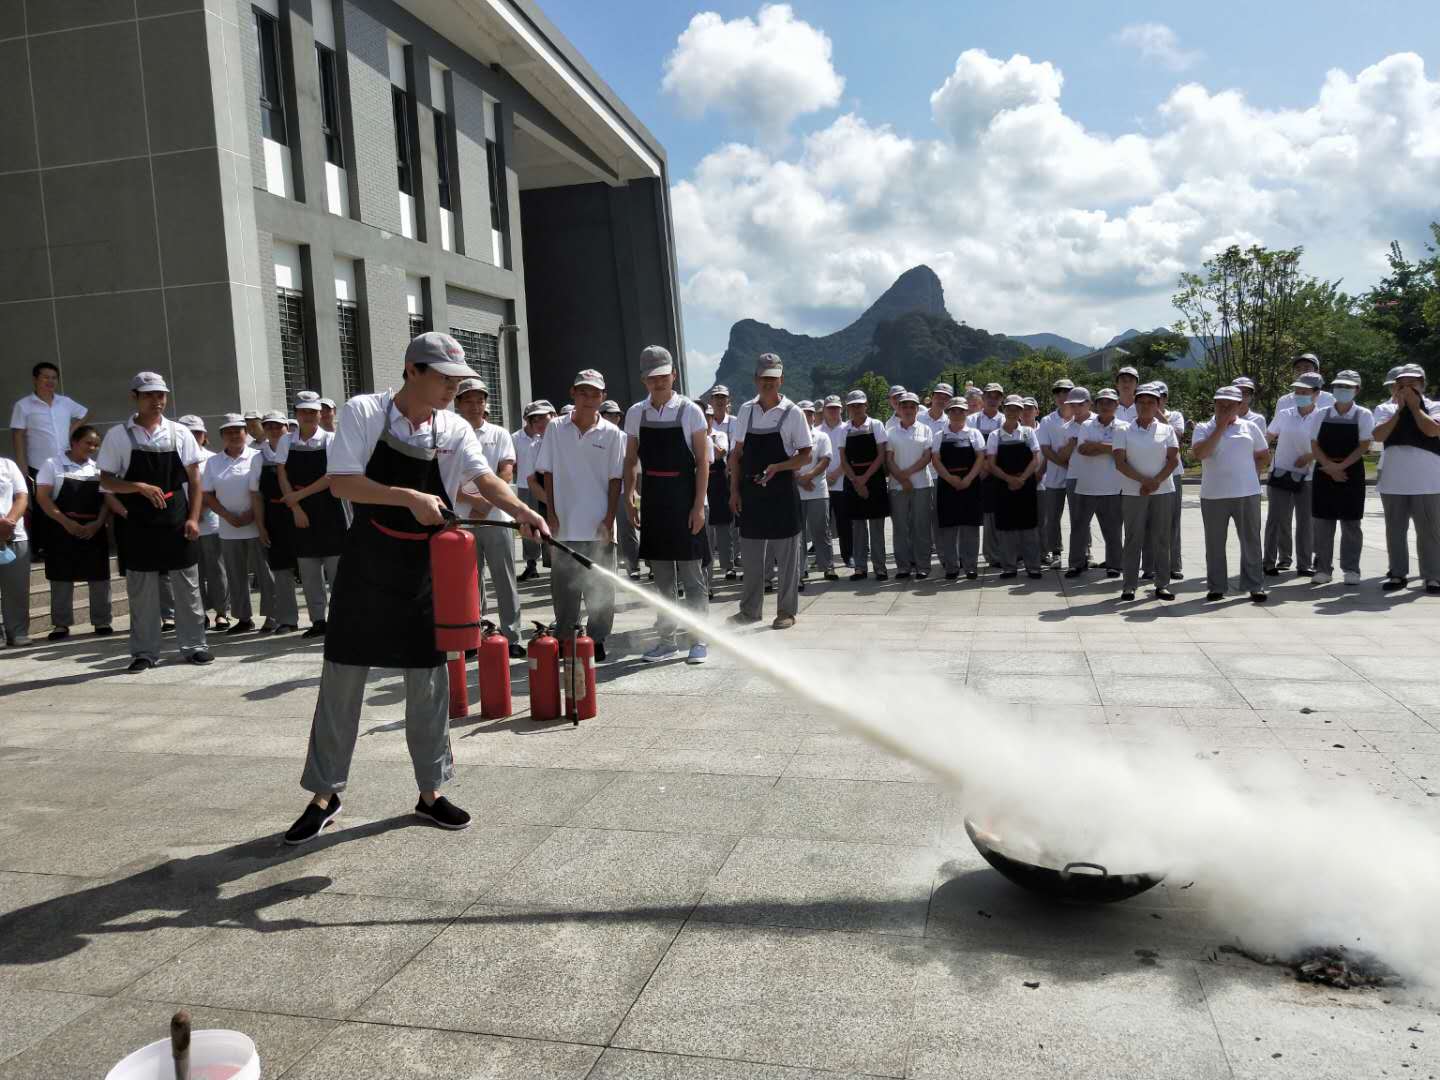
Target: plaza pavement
<point>707,881</point>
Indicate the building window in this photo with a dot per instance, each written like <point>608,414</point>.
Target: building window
<point>291,307</point>
<point>482,353</point>
<point>330,106</point>
<point>347,314</point>
<point>272,80</point>
<point>417,326</point>
<point>442,160</point>
<point>492,168</point>
<point>405,165</point>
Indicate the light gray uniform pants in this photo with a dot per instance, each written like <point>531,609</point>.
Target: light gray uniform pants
<point>757,556</point>
<point>868,544</point>
<point>495,549</point>
<point>960,545</point>
<point>317,574</point>
<point>1017,546</point>
<point>689,575</point>
<point>1352,542</point>
<point>62,603</point>
<point>15,594</point>
<point>143,588</point>
<point>1107,509</point>
<point>910,512</point>
<point>337,723</point>
<point>629,541</point>
<point>246,557</point>
<point>1070,504</point>
<point>1289,508</point>
<point>214,584</point>
<point>1148,519</point>
<point>570,583</point>
<point>722,548</point>
<point>532,549</point>
<point>1052,511</point>
<point>1425,511</point>
<point>815,529</point>
<point>1216,515</point>
<point>990,541</point>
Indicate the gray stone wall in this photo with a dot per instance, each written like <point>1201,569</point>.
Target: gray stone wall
<point>472,168</point>
<point>374,127</point>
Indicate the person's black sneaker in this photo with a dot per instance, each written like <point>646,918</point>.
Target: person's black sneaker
<point>1110,571</point>
<point>859,575</point>
<point>1390,584</point>
<point>731,575</point>
<point>222,623</point>
<point>1272,571</point>
<point>201,657</point>
<point>139,664</point>
<point>312,822</point>
<point>599,652</point>
<point>634,575</point>
<point>1432,588</point>
<point>517,651</point>
<point>922,575</point>
<point>443,813</point>
<point>902,575</point>
<point>286,628</point>
<point>1164,594</point>
<point>1147,575</point>
<point>971,575</point>
<point>952,575</point>
<point>1006,574</point>
<point>798,588</point>
<point>830,575</point>
<point>1259,597</point>
<point>242,626</point>
<point>528,573</point>
<point>317,630</point>
<point>1036,574</point>
<point>1075,571</point>
<point>103,631</point>
<point>1214,596</point>
<point>882,575</point>
<point>1176,575</point>
<point>1127,595</point>
<point>769,589</point>
<point>60,633</point>
<point>167,627</point>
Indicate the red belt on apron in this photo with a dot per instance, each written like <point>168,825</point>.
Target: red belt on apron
<point>663,475</point>
<point>396,534</point>
<point>81,517</point>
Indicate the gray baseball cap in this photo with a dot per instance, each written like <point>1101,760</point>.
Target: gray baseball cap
<point>944,388</point>
<point>191,422</point>
<point>955,404</point>
<point>589,377</point>
<point>232,419</point>
<point>608,406</point>
<point>994,388</point>
<point>896,390</point>
<point>1162,386</point>
<point>1127,370</point>
<point>1107,394</point>
<point>1306,358</point>
<point>908,397</point>
<point>1078,395</point>
<point>1030,402</point>
<point>467,385</point>
<point>252,415</point>
<point>769,366</point>
<point>1229,393</point>
<point>1309,380</point>
<point>805,406</point>
<point>1244,382</point>
<point>1061,384</point>
<point>326,402</point>
<point>833,399</point>
<point>440,352</point>
<point>656,360</point>
<point>1013,399</point>
<point>1149,389</point>
<point>719,390</point>
<point>538,408</point>
<point>1345,378</point>
<point>275,417</point>
<point>974,391</point>
<point>1393,374</point>
<point>856,397</point>
<point>148,382</point>
<point>307,399</point>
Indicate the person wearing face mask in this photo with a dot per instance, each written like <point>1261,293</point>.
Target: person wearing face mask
<point>1409,487</point>
<point>1013,457</point>
<point>1147,453</point>
<point>1290,481</point>
<point>1050,435</point>
<point>1305,364</point>
<point>1097,488</point>
<point>1341,433</point>
<point>1232,452</point>
<point>959,454</point>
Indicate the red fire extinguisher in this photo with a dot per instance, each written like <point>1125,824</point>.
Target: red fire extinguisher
<point>544,661</point>
<point>494,668</point>
<point>455,577</point>
<point>578,652</point>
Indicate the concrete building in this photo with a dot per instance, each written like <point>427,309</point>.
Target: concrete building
<point>255,198</point>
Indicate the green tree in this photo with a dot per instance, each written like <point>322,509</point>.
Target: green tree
<point>877,390</point>
<point>1405,304</point>
<point>1336,328</point>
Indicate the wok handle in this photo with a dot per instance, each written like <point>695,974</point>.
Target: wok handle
<point>1093,866</point>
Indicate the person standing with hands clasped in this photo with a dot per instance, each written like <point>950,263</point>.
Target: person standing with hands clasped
<point>1290,480</point>
<point>14,555</point>
<point>1097,487</point>
<point>958,451</point>
<point>1340,438</point>
<point>867,499</point>
<point>1013,458</point>
<point>231,482</point>
<point>907,457</point>
<point>1233,452</point>
<point>1147,453</point>
<point>403,460</point>
<point>1409,485</point>
<point>815,500</point>
<point>68,491</point>
<point>772,441</point>
<point>319,517</point>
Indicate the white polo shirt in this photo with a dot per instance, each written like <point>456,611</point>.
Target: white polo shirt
<point>60,468</point>
<point>871,426</point>
<point>1229,473</point>
<point>832,471</point>
<point>909,446</point>
<point>498,448</point>
<point>1126,413</point>
<point>1000,436</point>
<point>1408,470</point>
<point>209,519</point>
<point>364,418</point>
<point>233,480</point>
<point>46,425</point>
<point>1052,432</point>
<point>114,456</point>
<point>1176,419</point>
<point>691,417</point>
<point>527,447</point>
<point>985,424</point>
<point>1293,434</point>
<point>281,454</point>
<point>581,466</point>
<point>1095,475</point>
<point>788,417</point>
<point>1146,449</point>
<point>12,483</point>
<point>820,447</point>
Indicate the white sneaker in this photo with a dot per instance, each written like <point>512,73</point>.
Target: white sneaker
<point>1320,578</point>
<point>698,654</point>
<point>1352,578</point>
<point>659,653</point>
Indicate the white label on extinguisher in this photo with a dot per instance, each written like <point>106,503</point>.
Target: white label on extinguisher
<point>533,663</point>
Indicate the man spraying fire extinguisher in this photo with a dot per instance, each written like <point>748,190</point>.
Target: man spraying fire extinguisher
<point>401,459</point>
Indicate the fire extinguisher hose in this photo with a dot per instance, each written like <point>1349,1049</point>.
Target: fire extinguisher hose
<point>583,560</point>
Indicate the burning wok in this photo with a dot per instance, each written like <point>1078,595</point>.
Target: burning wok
<point>1075,882</point>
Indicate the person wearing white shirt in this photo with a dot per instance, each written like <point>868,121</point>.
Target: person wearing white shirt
<point>1289,495</point>
<point>1306,363</point>
<point>1147,453</point>
<point>1246,386</point>
<point>231,482</point>
<point>402,460</point>
<point>214,586</point>
<point>629,539</point>
<point>772,443</point>
<point>724,527</point>
<point>1233,452</point>
<point>1097,488</point>
<point>867,496</point>
<point>67,489</point>
<point>907,456</point>
<point>1409,485</point>
<point>150,463</point>
<point>327,415</point>
<point>1013,457</point>
<point>40,427</point>
<point>527,446</point>
<point>815,500</point>
<point>1341,435</point>
<point>1176,419</point>
<point>1050,434</point>
<point>320,520</point>
<point>14,555</point>
<point>958,452</point>
<point>494,548</point>
<point>1127,382</point>
<point>985,421</point>
<point>276,521</point>
<point>833,425</point>
<point>582,467</point>
<point>935,418</point>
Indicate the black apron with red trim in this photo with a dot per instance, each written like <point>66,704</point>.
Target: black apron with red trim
<point>717,492</point>
<point>68,558</point>
<point>279,522</point>
<point>152,539</point>
<point>1329,500</point>
<point>325,535</point>
<point>992,487</point>
<point>861,450</point>
<point>667,492</point>
<point>382,607</point>
<point>1016,510</point>
<point>955,508</point>
<point>771,511</point>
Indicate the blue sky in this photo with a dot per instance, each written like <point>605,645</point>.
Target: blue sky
<point>1102,84</point>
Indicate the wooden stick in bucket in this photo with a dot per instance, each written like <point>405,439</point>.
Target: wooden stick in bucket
<point>180,1043</point>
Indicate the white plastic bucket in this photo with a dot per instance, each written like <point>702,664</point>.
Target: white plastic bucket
<point>215,1054</point>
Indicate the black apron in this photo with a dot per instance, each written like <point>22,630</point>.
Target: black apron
<point>717,493</point>
<point>772,511</point>
<point>68,558</point>
<point>1407,433</point>
<point>150,539</point>
<point>992,487</point>
<point>382,609</point>
<point>279,521</point>
<point>326,534</point>
<point>955,508</point>
<point>1016,510</point>
<point>861,449</point>
<point>1331,501</point>
<point>667,492</point>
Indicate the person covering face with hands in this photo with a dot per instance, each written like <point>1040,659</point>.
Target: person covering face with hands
<point>1013,458</point>
<point>1409,484</point>
<point>907,456</point>
<point>1147,453</point>
<point>1340,437</point>
<point>867,499</point>
<point>1233,452</point>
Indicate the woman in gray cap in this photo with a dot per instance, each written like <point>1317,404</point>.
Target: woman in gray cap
<point>68,491</point>
<point>867,497</point>
<point>1409,486</point>
<point>624,527</point>
<point>526,441</point>
<point>319,517</point>
<point>1233,452</point>
<point>1340,438</point>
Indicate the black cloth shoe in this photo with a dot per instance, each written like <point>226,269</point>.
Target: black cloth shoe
<point>317,630</point>
<point>517,651</point>
<point>921,575</point>
<point>286,628</point>
<point>1272,571</point>
<point>1127,595</point>
<point>309,825</point>
<point>859,575</point>
<point>1110,571</point>
<point>139,664</point>
<point>1004,574</point>
<point>103,631</point>
<point>443,813</point>
<point>1304,571</point>
<point>952,575</point>
<point>1164,594</point>
<point>882,575</point>
<point>1214,596</point>
<point>1433,588</point>
<point>529,572</point>
<point>1035,574</point>
<point>599,652</point>
<point>902,575</point>
<point>1176,575</point>
<point>830,575</point>
<point>798,588</point>
<point>1390,584</point>
<point>243,626</point>
<point>769,589</point>
<point>1075,571</point>
<point>201,657</point>
<point>971,575</point>
<point>731,575</point>
<point>1146,576</point>
<point>1259,597</point>
<point>167,627</point>
<point>60,633</point>
<point>222,623</point>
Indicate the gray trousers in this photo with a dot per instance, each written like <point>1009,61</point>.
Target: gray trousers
<point>62,603</point>
<point>495,550</point>
<point>337,723</point>
<point>143,588</point>
<point>867,544</point>
<point>214,584</point>
<point>960,546</point>
<point>1148,520</point>
<point>1352,542</point>
<point>1107,509</point>
<point>1070,498</point>
<point>532,549</point>
<point>1052,511</point>
<point>689,575</point>
<point>277,590</point>
<point>317,574</point>
<point>757,556</point>
<point>910,512</point>
<point>1424,510</point>
<point>1287,509</point>
<point>990,541</point>
<point>1017,546</point>
<point>629,541</point>
<point>15,594</point>
<point>722,548</point>
<point>570,583</point>
<point>1216,515</point>
<point>815,529</point>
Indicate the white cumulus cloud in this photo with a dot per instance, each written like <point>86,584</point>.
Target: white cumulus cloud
<point>763,72</point>
<point>1156,41</point>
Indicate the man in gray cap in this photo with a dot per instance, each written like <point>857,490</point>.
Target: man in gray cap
<point>1232,452</point>
<point>1340,437</point>
<point>722,524</point>
<point>404,461</point>
<point>1409,486</point>
<point>833,425</point>
<point>1147,453</point>
<point>327,415</point>
<point>526,442</point>
<point>815,500</point>
<point>320,521</point>
<point>862,457</point>
<point>1290,481</point>
<point>989,419</point>
<point>1127,382</point>
<point>214,588</point>
<point>1051,437</point>
<point>625,528</point>
<point>907,459</point>
<point>667,466</point>
<point>1306,363</point>
<point>1097,488</point>
<point>1246,386</point>
<point>150,463</point>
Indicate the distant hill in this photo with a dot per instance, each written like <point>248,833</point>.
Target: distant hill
<point>1039,342</point>
<point>1193,359</point>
